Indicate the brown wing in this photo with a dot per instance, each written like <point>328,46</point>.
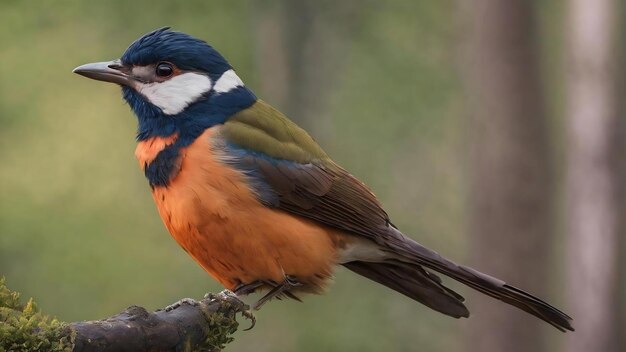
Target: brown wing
<point>324,193</point>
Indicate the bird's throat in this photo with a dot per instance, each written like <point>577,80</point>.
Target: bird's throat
<point>160,158</point>
<point>147,150</point>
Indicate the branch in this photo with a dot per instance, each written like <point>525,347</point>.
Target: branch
<point>188,325</point>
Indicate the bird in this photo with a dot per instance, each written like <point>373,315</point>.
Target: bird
<point>255,201</point>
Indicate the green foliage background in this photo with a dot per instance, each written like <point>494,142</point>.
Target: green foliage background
<point>79,231</point>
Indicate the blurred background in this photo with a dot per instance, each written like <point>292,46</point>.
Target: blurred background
<point>492,131</point>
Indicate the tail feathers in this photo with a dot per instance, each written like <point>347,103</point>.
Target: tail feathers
<point>411,251</point>
<point>414,282</point>
<point>515,297</point>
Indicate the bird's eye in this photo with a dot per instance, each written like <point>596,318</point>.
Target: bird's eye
<point>164,69</point>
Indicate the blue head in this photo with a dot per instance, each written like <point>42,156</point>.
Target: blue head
<point>182,50</point>
<point>174,83</point>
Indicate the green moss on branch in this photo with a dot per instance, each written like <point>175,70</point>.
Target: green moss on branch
<point>188,325</point>
<point>24,328</point>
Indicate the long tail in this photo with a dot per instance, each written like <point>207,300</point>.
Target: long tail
<point>406,275</point>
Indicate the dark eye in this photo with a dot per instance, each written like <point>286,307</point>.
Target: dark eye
<point>164,69</point>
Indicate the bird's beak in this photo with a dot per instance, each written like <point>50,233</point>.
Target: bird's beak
<point>109,71</point>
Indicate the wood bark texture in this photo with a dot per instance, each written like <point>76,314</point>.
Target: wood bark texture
<point>204,325</point>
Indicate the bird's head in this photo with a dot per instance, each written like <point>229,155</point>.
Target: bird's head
<point>165,74</point>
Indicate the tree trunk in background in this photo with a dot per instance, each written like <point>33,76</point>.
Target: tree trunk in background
<point>594,178</point>
<point>302,49</point>
<point>511,193</point>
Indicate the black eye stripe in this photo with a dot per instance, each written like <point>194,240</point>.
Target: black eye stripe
<point>164,69</point>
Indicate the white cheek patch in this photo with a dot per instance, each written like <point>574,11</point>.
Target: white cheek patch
<point>227,82</point>
<point>175,94</point>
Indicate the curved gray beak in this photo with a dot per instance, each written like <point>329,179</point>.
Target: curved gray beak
<point>109,71</point>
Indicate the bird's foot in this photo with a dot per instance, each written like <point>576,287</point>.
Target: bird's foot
<point>279,290</point>
<point>189,301</point>
<point>231,299</point>
<point>246,289</point>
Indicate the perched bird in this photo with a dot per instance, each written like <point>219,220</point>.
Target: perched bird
<point>255,200</point>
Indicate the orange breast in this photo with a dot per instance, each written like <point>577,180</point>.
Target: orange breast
<point>213,214</point>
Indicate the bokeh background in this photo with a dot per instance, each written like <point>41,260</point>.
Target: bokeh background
<point>416,98</point>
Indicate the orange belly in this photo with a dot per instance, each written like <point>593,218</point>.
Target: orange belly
<point>211,212</point>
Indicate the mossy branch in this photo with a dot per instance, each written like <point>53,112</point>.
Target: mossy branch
<point>188,325</point>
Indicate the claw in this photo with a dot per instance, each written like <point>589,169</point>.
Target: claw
<point>248,314</point>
